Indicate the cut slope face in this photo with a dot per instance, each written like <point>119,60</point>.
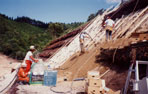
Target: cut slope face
<point>67,51</point>
<point>67,59</point>
<point>78,65</point>
<point>94,28</point>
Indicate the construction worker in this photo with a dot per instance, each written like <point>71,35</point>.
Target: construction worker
<point>29,58</point>
<point>82,37</point>
<point>22,74</point>
<point>109,25</point>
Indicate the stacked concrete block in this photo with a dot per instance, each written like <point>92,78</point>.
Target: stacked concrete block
<point>97,85</point>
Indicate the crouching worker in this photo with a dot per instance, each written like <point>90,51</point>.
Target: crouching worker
<point>29,58</point>
<point>22,74</point>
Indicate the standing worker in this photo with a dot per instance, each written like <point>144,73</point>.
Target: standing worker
<point>29,58</point>
<point>109,25</point>
<point>22,74</point>
<point>82,37</point>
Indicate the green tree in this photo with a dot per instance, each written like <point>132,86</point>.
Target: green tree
<point>91,17</point>
<point>55,29</point>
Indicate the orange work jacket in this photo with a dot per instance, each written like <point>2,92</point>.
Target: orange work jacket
<point>22,75</point>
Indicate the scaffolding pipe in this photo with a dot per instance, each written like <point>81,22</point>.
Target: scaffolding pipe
<point>135,85</point>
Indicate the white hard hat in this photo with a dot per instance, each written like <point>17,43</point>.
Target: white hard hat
<point>24,65</point>
<point>32,47</point>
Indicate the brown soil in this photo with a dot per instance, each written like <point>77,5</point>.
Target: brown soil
<point>78,65</point>
<point>115,80</point>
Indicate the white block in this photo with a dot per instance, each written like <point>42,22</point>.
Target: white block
<point>93,74</point>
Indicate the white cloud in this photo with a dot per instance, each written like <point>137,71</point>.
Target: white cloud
<point>113,1</point>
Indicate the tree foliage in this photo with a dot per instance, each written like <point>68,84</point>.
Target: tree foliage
<point>31,21</point>
<point>15,38</point>
<point>93,15</point>
<point>17,35</point>
<point>55,29</point>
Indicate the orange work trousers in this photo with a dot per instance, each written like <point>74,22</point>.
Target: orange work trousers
<point>29,63</point>
<point>24,79</point>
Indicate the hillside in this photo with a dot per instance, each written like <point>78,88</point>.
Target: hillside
<point>15,37</point>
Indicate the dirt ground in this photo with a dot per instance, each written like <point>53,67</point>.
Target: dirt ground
<point>78,65</point>
<point>61,88</point>
<point>6,59</point>
<point>6,64</point>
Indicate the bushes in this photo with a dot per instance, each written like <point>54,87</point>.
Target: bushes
<point>15,38</point>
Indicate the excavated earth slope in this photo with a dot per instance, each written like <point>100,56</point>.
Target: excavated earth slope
<point>114,56</point>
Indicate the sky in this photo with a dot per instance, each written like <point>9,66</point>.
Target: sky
<point>65,11</point>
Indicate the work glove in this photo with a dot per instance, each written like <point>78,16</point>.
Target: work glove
<point>36,61</point>
<point>29,73</point>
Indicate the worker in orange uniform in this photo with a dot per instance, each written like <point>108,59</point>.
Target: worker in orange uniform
<point>29,58</point>
<point>22,75</point>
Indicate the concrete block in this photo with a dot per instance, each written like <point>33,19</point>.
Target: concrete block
<point>93,74</point>
<point>103,83</point>
<point>94,90</point>
<point>96,82</point>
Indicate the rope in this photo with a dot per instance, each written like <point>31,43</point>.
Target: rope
<point>114,54</point>
<point>59,91</point>
<point>135,6</point>
<point>105,73</point>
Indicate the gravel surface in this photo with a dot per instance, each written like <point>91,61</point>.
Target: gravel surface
<point>78,86</point>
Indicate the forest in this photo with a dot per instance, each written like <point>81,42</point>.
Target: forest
<point>16,35</point>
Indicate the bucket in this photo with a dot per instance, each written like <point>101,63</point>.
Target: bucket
<point>50,78</point>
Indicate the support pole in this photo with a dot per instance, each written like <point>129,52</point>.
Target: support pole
<point>135,85</point>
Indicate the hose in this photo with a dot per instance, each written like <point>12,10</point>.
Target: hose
<point>59,91</point>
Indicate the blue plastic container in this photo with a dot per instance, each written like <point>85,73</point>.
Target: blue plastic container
<point>50,78</point>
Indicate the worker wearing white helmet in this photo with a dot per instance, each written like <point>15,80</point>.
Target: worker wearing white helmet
<point>82,37</point>
<point>109,26</point>
<point>29,58</point>
<point>22,74</point>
